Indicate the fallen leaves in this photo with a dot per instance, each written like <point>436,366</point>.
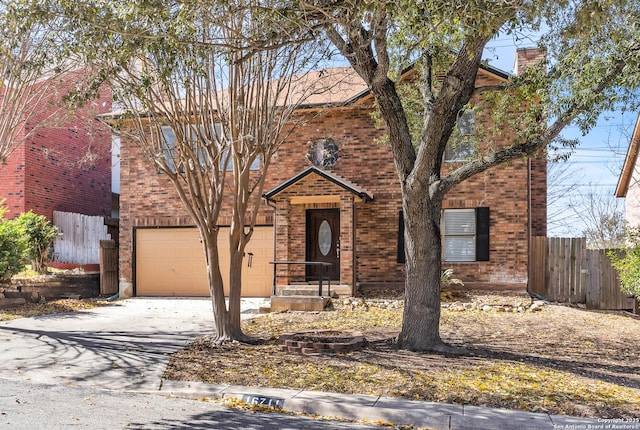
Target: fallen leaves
<point>560,360</point>
<point>58,306</point>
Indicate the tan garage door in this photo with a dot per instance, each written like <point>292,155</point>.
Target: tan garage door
<point>170,262</point>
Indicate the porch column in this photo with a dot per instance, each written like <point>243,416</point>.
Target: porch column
<point>347,237</point>
<point>282,240</point>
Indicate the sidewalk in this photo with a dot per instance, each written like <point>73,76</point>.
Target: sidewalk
<point>391,410</point>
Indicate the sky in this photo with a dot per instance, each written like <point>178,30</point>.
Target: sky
<point>595,164</point>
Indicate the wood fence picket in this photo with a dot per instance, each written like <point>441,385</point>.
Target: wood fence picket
<point>562,269</point>
<point>79,241</point>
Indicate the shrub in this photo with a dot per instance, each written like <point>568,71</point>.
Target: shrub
<point>447,279</point>
<point>13,246</point>
<point>39,234</point>
<point>627,262</point>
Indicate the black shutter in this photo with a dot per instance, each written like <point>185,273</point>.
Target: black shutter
<point>401,256</point>
<point>482,234</point>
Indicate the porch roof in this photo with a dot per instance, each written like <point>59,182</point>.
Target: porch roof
<point>343,183</point>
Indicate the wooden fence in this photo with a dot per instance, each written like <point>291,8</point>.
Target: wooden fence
<point>564,270</point>
<point>108,267</point>
<point>79,242</point>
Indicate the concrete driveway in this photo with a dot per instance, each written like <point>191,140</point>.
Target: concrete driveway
<point>124,346</point>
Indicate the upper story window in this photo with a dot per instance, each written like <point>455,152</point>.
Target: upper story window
<point>170,149</point>
<point>467,123</point>
<point>323,153</point>
<point>192,134</point>
<point>461,146</point>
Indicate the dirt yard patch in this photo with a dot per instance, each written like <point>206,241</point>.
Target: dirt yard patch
<point>559,359</point>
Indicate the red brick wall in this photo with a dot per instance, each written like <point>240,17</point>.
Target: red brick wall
<point>504,190</point>
<point>12,182</point>
<point>538,197</point>
<point>65,165</point>
<point>525,58</point>
<point>363,162</point>
<point>148,199</point>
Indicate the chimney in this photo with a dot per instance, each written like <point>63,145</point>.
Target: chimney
<point>527,57</point>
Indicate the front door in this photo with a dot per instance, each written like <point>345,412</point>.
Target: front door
<point>323,242</point>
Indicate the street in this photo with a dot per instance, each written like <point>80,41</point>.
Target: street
<point>26,405</point>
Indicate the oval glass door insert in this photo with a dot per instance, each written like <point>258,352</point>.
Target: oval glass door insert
<point>324,237</point>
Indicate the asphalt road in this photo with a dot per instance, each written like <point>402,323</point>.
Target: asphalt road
<point>26,405</point>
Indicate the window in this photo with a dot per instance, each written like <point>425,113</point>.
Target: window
<point>170,148</point>
<point>465,235</point>
<point>192,135</point>
<point>255,165</point>
<point>460,146</point>
<point>467,123</point>
<point>459,235</point>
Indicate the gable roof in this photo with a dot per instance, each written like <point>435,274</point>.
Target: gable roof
<point>630,161</point>
<point>343,183</point>
<point>337,86</point>
<point>330,87</point>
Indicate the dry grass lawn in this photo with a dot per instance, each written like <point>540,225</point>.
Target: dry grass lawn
<point>560,360</point>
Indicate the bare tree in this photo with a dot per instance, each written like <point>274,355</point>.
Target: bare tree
<point>30,75</point>
<point>577,207</point>
<point>602,216</point>
<point>562,182</point>
<point>209,110</point>
<point>587,209</point>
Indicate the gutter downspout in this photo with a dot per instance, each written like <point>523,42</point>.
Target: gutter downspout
<point>532,295</point>
<point>529,226</point>
<point>267,202</point>
<point>354,221</point>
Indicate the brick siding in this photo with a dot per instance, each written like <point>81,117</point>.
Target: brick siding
<point>64,166</point>
<point>148,199</point>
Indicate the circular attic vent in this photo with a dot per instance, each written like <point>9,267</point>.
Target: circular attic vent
<point>324,153</point>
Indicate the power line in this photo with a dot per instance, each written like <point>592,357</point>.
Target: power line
<point>580,185</point>
<point>586,149</point>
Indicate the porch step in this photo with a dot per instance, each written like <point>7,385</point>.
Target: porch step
<point>302,290</point>
<point>298,303</point>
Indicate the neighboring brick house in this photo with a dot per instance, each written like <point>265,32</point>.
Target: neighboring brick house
<point>333,195</point>
<point>65,164</point>
<point>629,181</point>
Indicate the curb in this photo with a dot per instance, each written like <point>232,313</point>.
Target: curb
<point>372,409</point>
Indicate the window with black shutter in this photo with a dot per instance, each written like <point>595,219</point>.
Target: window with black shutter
<point>465,235</point>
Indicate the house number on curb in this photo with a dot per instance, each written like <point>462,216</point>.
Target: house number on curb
<point>261,400</point>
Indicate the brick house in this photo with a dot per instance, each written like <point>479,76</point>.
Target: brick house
<point>628,186</point>
<point>65,164</point>
<point>333,195</point>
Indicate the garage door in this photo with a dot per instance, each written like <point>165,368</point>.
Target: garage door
<point>170,262</point>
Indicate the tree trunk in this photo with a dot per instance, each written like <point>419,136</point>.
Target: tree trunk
<point>235,281</point>
<point>227,328</point>
<point>421,318</point>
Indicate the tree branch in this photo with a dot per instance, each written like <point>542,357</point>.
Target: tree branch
<point>536,143</point>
